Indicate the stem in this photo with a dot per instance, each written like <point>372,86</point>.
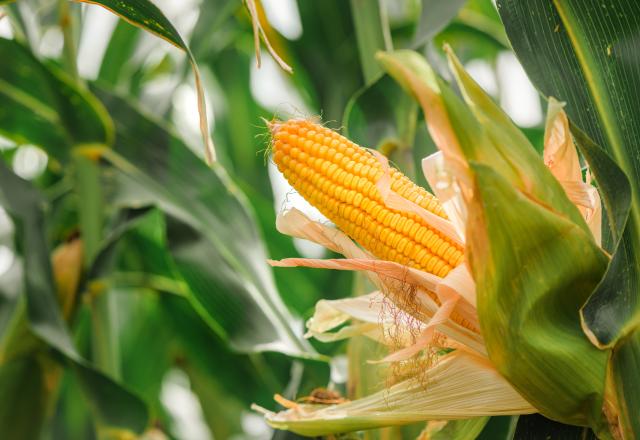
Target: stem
<point>106,350</point>
<point>104,335</point>
<point>18,26</point>
<point>89,190</point>
<point>70,51</point>
<point>371,36</point>
<point>105,344</point>
<point>264,372</point>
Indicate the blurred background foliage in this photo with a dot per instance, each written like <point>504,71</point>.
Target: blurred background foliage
<point>135,298</point>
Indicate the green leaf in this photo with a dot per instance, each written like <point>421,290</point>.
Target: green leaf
<point>237,134</point>
<point>115,407</point>
<point>521,161</point>
<point>626,361</point>
<point>535,426</point>
<point>613,185</point>
<point>144,374</point>
<point>327,50</point>
<point>481,15</point>
<point>224,391</point>
<point>42,105</point>
<point>465,429</point>
<point>211,233</point>
<point>600,314</point>
<point>469,43</point>
<point>24,390</point>
<point>382,116</point>
<point>146,15</point>
<point>499,428</point>
<point>435,16</point>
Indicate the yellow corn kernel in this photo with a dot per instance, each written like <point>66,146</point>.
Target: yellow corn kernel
<point>319,162</point>
<point>338,177</point>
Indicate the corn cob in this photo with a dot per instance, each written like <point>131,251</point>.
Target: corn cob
<point>338,177</point>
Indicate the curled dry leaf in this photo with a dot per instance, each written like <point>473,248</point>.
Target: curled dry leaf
<point>255,11</point>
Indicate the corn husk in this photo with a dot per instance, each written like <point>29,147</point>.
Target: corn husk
<point>532,259</point>
<point>530,250</point>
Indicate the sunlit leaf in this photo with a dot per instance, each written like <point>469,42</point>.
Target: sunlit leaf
<point>115,67</point>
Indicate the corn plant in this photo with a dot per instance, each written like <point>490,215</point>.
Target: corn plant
<point>480,278</point>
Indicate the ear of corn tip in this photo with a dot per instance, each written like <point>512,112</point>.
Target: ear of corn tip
<point>339,178</point>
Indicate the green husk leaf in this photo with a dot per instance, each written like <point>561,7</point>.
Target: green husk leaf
<point>547,277</point>
<point>484,134</point>
<point>510,143</point>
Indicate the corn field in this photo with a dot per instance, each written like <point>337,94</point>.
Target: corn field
<point>364,219</point>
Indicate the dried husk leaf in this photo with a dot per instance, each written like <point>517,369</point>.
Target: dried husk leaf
<point>561,157</point>
<point>366,311</point>
<point>460,385</point>
<point>374,309</point>
<point>446,189</point>
<point>406,287</point>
